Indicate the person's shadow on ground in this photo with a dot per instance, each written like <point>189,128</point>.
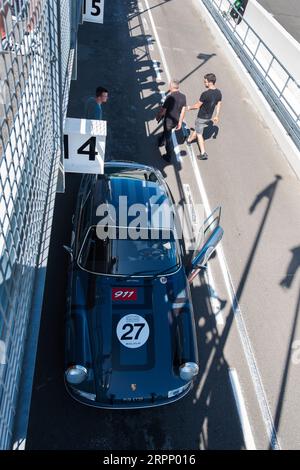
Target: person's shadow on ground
<point>210,132</point>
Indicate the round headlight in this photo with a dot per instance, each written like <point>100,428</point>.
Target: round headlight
<point>76,374</point>
<point>188,370</point>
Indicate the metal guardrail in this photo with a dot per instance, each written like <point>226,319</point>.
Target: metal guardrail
<point>278,86</point>
<point>35,73</point>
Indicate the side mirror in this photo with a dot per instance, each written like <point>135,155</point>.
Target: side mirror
<point>199,262</point>
<point>70,251</point>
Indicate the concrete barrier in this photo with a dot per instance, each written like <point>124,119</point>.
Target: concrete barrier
<point>253,37</point>
<point>281,43</point>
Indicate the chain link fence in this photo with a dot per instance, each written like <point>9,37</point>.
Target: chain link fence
<point>35,72</point>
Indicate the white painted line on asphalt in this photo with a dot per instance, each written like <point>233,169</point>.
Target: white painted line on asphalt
<point>245,340</point>
<point>191,206</point>
<point>213,297</point>
<point>150,45</point>
<point>163,96</point>
<point>209,280</point>
<point>176,147</point>
<point>158,41</point>
<point>189,219</point>
<point>157,69</point>
<point>146,26</point>
<point>241,408</point>
<point>249,353</point>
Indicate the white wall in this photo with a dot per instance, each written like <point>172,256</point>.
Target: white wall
<point>259,32</point>
<point>281,43</point>
<point>261,21</point>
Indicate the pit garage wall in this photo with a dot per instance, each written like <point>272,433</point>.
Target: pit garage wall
<point>36,56</point>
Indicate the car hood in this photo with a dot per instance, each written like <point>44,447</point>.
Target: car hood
<point>134,333</point>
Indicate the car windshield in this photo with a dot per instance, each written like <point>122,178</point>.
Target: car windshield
<point>117,255</point>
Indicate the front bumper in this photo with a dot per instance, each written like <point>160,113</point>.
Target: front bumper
<point>126,404</point>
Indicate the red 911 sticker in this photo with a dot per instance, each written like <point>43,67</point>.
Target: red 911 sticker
<point>122,293</point>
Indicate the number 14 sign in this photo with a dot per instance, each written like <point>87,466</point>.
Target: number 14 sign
<point>84,145</point>
<point>93,11</point>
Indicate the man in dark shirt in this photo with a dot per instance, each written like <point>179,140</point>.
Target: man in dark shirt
<point>172,111</point>
<point>93,107</point>
<point>209,101</point>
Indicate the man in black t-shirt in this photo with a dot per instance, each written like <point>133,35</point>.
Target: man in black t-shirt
<point>209,101</point>
<point>172,111</point>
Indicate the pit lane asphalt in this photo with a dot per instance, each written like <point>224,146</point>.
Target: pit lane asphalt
<point>108,56</point>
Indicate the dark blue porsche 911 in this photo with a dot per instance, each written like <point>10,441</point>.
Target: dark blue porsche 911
<point>130,332</point>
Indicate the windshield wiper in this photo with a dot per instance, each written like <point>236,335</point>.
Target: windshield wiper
<point>137,273</point>
<point>154,274</point>
<point>165,271</point>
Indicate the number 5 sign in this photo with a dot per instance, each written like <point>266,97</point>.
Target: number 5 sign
<point>93,11</point>
<point>84,146</point>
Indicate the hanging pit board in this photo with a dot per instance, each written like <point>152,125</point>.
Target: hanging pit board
<point>84,146</point>
<point>93,11</point>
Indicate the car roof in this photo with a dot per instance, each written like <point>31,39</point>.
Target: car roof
<point>140,184</point>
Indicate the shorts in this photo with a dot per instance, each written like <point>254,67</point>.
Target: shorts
<point>201,124</point>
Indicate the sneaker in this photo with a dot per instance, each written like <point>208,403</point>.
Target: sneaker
<point>188,142</point>
<point>166,157</point>
<point>203,156</point>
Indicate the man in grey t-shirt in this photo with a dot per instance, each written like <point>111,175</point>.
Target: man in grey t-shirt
<point>209,100</point>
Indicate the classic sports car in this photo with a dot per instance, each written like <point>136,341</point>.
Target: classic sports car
<point>130,332</point>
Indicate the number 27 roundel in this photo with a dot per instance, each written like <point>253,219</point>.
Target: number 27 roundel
<point>133,331</point>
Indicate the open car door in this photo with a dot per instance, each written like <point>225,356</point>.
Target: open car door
<point>210,236</point>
